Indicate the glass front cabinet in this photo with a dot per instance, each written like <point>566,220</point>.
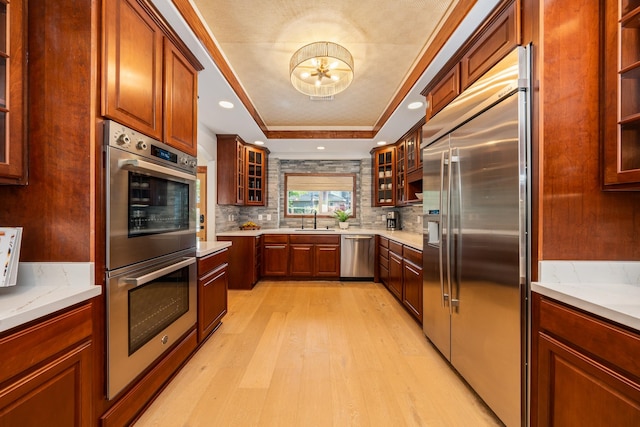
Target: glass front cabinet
<point>13,150</point>
<point>384,176</point>
<point>622,89</point>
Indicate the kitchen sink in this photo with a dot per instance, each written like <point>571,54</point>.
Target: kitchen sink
<point>322,230</point>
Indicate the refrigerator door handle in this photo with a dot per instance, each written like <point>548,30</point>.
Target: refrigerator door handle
<point>454,162</point>
<point>445,295</point>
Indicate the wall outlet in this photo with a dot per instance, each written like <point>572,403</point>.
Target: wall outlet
<point>229,218</point>
<point>419,219</point>
<point>260,217</point>
<point>384,218</point>
<point>268,217</point>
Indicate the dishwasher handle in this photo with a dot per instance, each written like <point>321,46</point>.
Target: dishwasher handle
<point>356,237</point>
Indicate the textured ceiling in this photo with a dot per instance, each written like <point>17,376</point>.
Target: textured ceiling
<point>386,38</point>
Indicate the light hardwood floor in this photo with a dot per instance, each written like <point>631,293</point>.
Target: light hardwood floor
<point>317,354</point>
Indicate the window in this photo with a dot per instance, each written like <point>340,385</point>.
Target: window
<point>323,193</point>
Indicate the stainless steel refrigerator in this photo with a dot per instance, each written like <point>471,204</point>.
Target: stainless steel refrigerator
<point>476,218</point>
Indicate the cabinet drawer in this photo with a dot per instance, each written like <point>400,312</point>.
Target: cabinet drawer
<point>209,262</point>
<point>27,348</point>
<point>413,255</point>
<point>275,238</point>
<point>324,239</point>
<point>384,262</point>
<point>605,341</point>
<point>395,247</point>
<point>384,253</point>
<point>384,242</point>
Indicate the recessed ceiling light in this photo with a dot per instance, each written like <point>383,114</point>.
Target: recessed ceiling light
<point>259,142</point>
<point>225,104</point>
<point>320,148</point>
<point>382,142</point>
<point>414,105</point>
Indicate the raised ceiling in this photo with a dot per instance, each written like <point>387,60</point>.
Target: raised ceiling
<point>397,47</point>
<point>259,37</point>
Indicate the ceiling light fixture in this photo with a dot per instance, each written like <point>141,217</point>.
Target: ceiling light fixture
<point>321,69</point>
<point>225,104</point>
<point>382,142</point>
<point>259,142</point>
<point>414,105</point>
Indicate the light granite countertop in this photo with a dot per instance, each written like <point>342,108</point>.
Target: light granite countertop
<point>44,288</point>
<point>610,289</point>
<point>410,239</point>
<point>205,248</point>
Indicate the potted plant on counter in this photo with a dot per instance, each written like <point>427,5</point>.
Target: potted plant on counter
<point>342,216</point>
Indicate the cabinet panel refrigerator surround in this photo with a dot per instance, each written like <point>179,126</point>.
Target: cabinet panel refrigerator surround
<point>476,217</point>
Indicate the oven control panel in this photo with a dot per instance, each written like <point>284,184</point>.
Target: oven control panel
<point>124,138</point>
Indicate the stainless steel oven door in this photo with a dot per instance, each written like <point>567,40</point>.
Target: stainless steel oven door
<point>149,307</point>
<point>151,209</point>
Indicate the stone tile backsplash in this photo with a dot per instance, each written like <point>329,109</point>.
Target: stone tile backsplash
<point>366,215</point>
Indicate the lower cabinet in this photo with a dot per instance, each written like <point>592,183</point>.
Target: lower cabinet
<point>244,261</point>
<point>213,281</point>
<point>275,255</point>
<point>327,259</point>
<point>383,260</point>
<point>46,372</point>
<point>412,281</point>
<point>584,370</point>
<point>401,272</point>
<point>394,283</point>
<point>297,256</point>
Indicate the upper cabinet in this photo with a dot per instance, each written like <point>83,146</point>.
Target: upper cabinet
<point>242,172</point>
<point>397,170</point>
<point>149,76</point>
<point>13,148</point>
<point>485,48</point>
<point>384,164</point>
<point>621,81</point>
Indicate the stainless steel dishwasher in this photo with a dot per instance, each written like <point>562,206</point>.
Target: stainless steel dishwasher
<point>357,256</point>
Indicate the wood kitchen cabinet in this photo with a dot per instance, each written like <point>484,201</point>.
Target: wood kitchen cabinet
<point>486,47</point>
<point>401,173</point>
<point>400,269</point>
<point>384,165</point>
<point>301,254</point>
<point>46,372</point>
<point>242,172</point>
<point>244,261</point>
<point>412,281</point>
<point>275,255</point>
<point>445,90</point>
<point>13,142</point>
<point>584,369</point>
<point>394,282</point>
<point>383,260</point>
<point>327,257</point>
<point>296,256</point>
<point>213,281</point>
<point>180,101</point>
<point>163,101</point>
<point>621,86</point>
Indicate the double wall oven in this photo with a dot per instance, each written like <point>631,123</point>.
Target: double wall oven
<point>150,254</point>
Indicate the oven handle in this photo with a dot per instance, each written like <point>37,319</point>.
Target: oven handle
<point>152,167</point>
<point>146,278</point>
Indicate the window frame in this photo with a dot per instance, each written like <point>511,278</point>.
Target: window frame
<point>287,175</point>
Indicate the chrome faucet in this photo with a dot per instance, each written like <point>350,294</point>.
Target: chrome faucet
<point>315,212</point>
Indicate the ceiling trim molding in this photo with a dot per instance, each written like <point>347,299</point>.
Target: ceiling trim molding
<point>455,18</point>
<point>192,18</point>
<point>320,134</point>
<point>194,22</point>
